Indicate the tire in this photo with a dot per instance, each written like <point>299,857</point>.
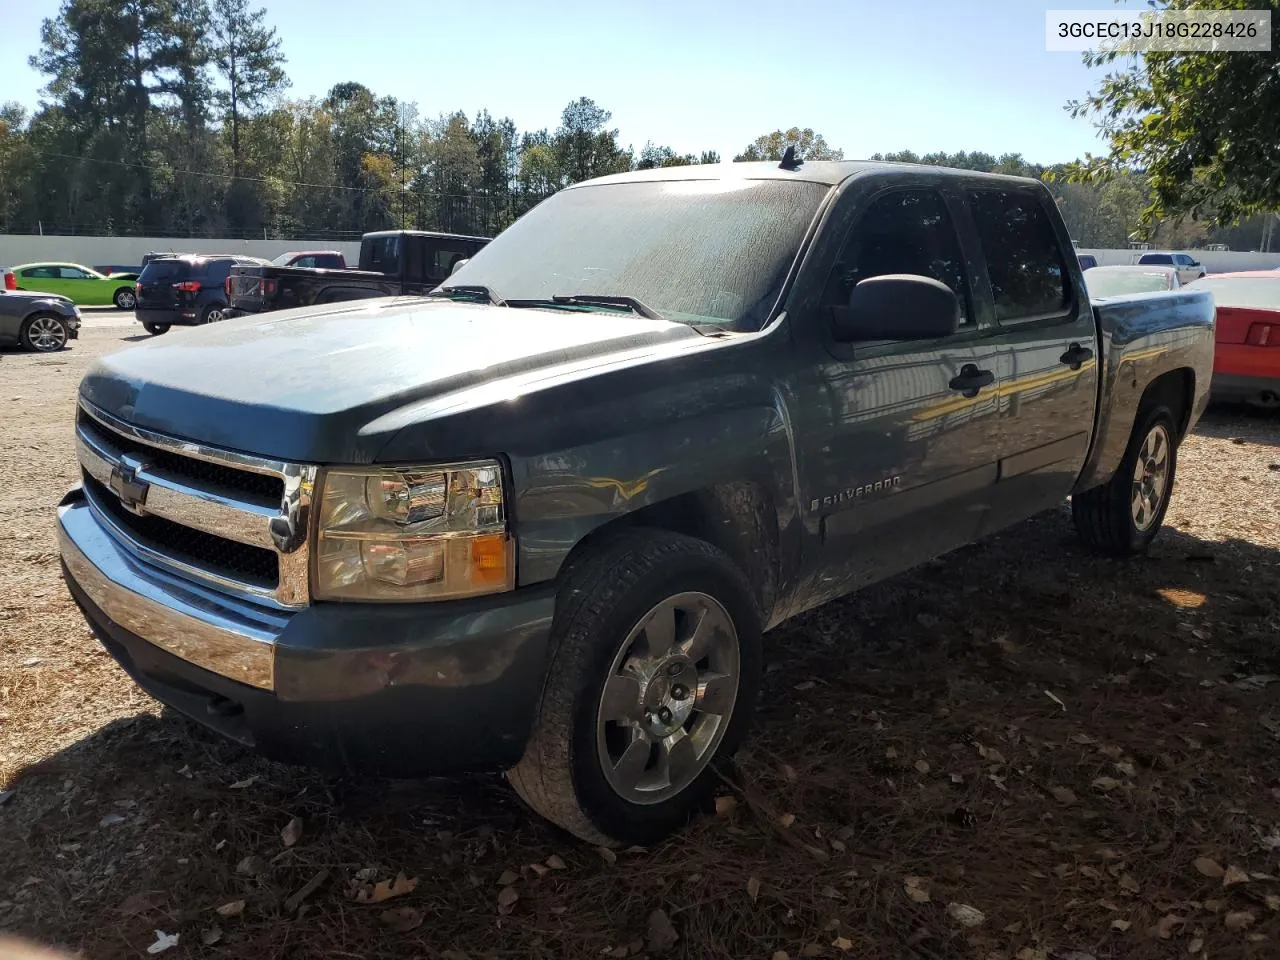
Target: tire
<point>124,299</point>
<point>601,610</point>
<point>1108,518</point>
<point>212,313</point>
<point>155,329</point>
<point>44,333</point>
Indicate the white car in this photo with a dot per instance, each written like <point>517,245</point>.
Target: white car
<point>1188,267</point>
<point>1102,282</point>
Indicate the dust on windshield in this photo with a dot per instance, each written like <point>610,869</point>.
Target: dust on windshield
<point>694,251</point>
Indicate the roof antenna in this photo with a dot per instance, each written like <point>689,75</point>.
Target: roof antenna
<point>789,161</point>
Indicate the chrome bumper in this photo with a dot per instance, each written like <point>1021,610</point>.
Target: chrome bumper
<point>228,637</point>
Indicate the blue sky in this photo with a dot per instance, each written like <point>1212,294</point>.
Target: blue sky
<point>692,74</point>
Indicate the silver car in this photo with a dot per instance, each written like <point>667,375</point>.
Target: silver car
<point>42,322</point>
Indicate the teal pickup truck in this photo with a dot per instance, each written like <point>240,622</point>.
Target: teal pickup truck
<point>539,519</point>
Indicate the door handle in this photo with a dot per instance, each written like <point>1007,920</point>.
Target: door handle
<point>970,380</point>
<point>1076,356</point>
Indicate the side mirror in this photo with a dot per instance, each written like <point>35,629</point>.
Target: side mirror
<point>897,306</point>
<point>458,265</point>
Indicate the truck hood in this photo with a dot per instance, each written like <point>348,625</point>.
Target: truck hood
<point>307,385</point>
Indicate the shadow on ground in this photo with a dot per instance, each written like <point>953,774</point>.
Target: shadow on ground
<point>1045,736</point>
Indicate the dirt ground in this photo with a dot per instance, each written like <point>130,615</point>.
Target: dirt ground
<point>1019,751</point>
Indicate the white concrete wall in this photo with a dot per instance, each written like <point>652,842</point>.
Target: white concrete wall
<point>128,251</point>
<point>1213,261</point>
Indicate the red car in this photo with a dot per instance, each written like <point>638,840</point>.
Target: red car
<point>330,259</point>
<point>1246,365</point>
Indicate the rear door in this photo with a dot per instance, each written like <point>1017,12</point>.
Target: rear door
<point>43,280</point>
<point>1048,381</point>
<point>897,455</point>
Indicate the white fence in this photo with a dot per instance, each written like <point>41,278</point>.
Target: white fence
<point>128,251</point>
<point>1214,261</point>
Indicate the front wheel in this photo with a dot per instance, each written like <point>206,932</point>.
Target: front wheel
<point>125,299</point>
<point>653,679</point>
<point>155,329</point>
<point>1123,516</point>
<point>44,333</point>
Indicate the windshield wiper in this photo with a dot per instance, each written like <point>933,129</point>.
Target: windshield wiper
<point>600,300</point>
<point>473,291</point>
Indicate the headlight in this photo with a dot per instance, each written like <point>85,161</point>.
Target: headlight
<point>413,533</point>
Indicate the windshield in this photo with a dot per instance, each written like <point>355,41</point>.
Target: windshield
<point>694,251</point>
<point>283,259</point>
<point>1116,283</point>
<point>1257,292</point>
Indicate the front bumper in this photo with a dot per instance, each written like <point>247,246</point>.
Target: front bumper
<point>378,689</point>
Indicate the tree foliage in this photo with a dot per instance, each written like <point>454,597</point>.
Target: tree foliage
<point>1203,127</point>
<point>809,146</point>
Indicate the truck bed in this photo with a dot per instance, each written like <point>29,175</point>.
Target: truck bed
<point>256,289</point>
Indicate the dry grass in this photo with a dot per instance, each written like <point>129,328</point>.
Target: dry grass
<point>1050,738</point>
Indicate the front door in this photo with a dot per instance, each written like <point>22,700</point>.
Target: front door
<point>1049,377</point>
<point>899,439</point>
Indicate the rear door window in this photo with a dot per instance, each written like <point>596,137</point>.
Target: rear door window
<point>41,273</point>
<point>381,254</point>
<point>1025,262</point>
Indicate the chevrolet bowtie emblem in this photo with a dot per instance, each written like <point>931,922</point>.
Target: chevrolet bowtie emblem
<point>126,485</point>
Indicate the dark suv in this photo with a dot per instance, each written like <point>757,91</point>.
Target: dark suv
<point>185,290</point>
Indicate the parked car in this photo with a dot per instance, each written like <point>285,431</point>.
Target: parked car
<point>185,290</point>
<point>1087,261</point>
<point>117,269</point>
<point>1246,363</point>
<point>540,519</point>
<point>43,322</point>
<point>392,262</point>
<point>312,259</point>
<point>1121,281</point>
<point>77,283</point>
<point>1189,267</point>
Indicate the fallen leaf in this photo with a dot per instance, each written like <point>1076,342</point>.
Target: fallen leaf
<point>842,943</point>
<point>1239,920</point>
<point>965,915</point>
<point>662,933</point>
<point>607,855</point>
<point>307,889</point>
<point>1120,926</point>
<point>753,888</point>
<point>916,888</point>
<point>725,805</point>
<point>110,820</point>
<point>1195,946</point>
<point>1106,784</point>
<point>891,753</point>
<point>780,955</point>
<point>838,846</point>
<point>508,878</point>
<point>811,950</point>
<point>786,820</point>
<point>1215,906</point>
<point>245,784</point>
<point>1064,794</point>
<point>384,889</point>
<point>232,909</point>
<point>1233,876</point>
<point>538,869</point>
<point>1166,925</point>
<point>1273,901</point>
<point>555,863</point>
<point>211,935</point>
<point>922,766</point>
<point>251,866</point>
<point>1126,768</point>
<point>292,832</point>
<point>1208,867</point>
<point>163,942</point>
<point>401,919</point>
<point>1128,883</point>
<point>831,893</point>
<point>507,898</point>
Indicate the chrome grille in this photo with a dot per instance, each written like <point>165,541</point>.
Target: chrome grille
<point>232,521</point>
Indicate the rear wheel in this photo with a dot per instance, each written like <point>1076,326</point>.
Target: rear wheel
<point>44,333</point>
<point>125,299</point>
<point>1123,516</point>
<point>653,679</point>
<point>212,313</point>
<point>155,329</point>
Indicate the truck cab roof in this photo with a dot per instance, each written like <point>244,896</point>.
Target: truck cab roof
<point>828,172</point>
<point>423,233</point>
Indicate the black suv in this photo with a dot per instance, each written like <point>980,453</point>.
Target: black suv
<point>185,290</point>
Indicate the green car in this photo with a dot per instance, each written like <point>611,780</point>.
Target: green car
<point>81,285</point>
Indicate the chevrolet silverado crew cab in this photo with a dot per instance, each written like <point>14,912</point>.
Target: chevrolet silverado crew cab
<point>539,520</point>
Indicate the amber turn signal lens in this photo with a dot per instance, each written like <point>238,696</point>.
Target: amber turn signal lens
<point>490,558</point>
